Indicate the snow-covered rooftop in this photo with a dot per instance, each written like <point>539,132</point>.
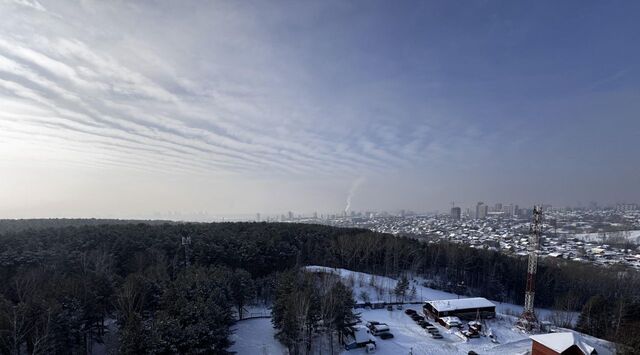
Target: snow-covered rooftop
<point>462,303</point>
<point>560,342</point>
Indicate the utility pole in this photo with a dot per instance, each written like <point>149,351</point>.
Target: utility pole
<point>528,320</point>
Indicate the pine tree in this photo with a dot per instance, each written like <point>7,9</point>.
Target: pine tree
<point>401,288</point>
<point>241,289</point>
<point>196,314</point>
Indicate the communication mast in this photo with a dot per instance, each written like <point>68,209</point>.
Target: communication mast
<point>528,320</point>
<point>186,243</point>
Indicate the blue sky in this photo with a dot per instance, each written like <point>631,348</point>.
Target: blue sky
<point>125,109</point>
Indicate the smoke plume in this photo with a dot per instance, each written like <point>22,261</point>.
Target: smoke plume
<point>356,183</point>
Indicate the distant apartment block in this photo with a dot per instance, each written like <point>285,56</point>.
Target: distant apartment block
<point>456,213</point>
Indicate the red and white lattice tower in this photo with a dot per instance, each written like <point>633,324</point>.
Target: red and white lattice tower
<point>528,320</point>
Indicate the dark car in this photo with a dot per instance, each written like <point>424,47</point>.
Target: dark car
<point>410,312</point>
<point>417,317</point>
<point>423,323</point>
<point>389,308</point>
<point>386,336</point>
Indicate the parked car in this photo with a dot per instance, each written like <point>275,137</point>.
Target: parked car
<point>410,312</point>
<point>399,307</point>
<point>386,335</point>
<point>416,317</point>
<point>371,324</point>
<point>432,329</point>
<point>389,308</point>
<point>470,334</point>
<point>378,328</point>
<point>436,335</point>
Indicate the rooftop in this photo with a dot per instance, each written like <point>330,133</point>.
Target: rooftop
<point>462,303</point>
<point>560,342</point>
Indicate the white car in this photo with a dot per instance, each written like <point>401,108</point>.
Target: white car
<point>378,328</point>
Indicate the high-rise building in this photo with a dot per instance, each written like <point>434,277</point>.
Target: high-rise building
<point>456,213</point>
<point>627,207</point>
<point>481,210</point>
<point>290,216</point>
<point>498,207</point>
<point>508,210</point>
<point>257,217</point>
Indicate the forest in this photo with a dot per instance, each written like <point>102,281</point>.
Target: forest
<point>134,289</point>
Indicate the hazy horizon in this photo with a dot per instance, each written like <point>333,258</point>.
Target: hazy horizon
<point>127,110</point>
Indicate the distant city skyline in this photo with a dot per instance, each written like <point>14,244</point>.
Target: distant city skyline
<point>120,109</point>
<point>287,215</point>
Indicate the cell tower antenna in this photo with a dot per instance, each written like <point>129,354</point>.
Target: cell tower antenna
<point>186,243</point>
<point>528,320</point>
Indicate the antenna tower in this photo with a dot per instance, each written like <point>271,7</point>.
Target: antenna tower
<point>186,243</point>
<point>528,320</point>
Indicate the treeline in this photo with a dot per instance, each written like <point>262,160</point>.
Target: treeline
<point>17,225</point>
<point>478,271</point>
<point>70,290</point>
<point>617,320</point>
<point>61,287</point>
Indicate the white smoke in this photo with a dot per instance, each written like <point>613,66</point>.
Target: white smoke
<point>356,183</point>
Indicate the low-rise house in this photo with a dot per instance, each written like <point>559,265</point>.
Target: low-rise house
<point>566,343</point>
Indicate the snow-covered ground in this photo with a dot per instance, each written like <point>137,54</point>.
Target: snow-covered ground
<point>409,336</point>
<point>378,287</point>
<point>256,336</point>
<point>632,236</point>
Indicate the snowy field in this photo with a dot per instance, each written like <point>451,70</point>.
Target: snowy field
<point>632,236</point>
<point>378,290</point>
<point>256,336</point>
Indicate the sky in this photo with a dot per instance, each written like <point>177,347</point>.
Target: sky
<point>145,109</point>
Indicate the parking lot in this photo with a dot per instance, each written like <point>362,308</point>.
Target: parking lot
<point>407,334</point>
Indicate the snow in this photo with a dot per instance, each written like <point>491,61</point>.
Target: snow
<point>256,336</point>
<point>462,303</point>
<point>410,336</point>
<point>378,287</point>
<point>632,236</point>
